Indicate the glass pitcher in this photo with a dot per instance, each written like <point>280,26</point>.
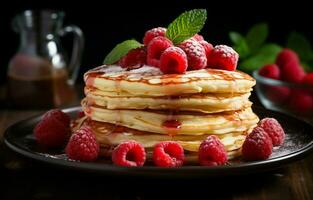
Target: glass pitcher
<point>39,75</point>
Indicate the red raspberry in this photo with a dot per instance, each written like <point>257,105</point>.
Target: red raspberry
<point>285,56</point>
<point>58,115</point>
<point>198,37</point>
<point>80,114</point>
<point>195,54</point>
<point>257,146</point>
<point>301,102</point>
<point>173,61</point>
<point>135,57</point>
<point>129,154</point>
<point>223,57</point>
<point>270,71</point>
<point>277,94</point>
<point>292,72</point>
<point>207,47</point>
<point>289,64</point>
<point>53,130</point>
<point>308,79</point>
<point>83,145</point>
<point>273,129</point>
<point>168,154</point>
<point>155,49</point>
<point>212,152</point>
<point>152,33</point>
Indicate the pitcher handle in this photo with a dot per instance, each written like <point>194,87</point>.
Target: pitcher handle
<point>78,46</point>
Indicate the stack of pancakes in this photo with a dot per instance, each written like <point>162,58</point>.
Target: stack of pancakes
<point>145,105</point>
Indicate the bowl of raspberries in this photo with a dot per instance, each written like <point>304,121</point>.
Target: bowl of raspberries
<point>285,86</point>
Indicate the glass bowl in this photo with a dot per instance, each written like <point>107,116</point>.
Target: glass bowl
<point>290,98</point>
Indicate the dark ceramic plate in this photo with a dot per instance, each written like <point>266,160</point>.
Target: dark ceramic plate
<point>298,143</point>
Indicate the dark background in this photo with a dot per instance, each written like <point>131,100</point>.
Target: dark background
<point>107,23</point>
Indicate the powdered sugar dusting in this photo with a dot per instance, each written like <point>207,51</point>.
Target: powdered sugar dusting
<point>226,51</point>
<point>108,69</point>
<point>158,30</point>
<point>298,135</point>
<point>290,145</point>
<point>116,71</point>
<point>55,156</point>
<point>195,53</point>
<point>147,69</point>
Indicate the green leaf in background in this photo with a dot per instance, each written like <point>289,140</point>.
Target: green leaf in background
<point>301,45</point>
<point>236,37</point>
<point>266,55</point>
<point>121,50</point>
<point>256,36</point>
<point>307,66</point>
<point>240,44</point>
<point>186,25</point>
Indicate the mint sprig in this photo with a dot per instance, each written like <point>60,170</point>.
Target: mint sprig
<point>257,36</point>
<point>240,44</point>
<point>266,55</point>
<point>253,48</point>
<point>302,46</point>
<point>186,25</point>
<point>121,50</point>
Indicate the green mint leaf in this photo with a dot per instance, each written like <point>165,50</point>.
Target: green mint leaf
<point>301,45</point>
<point>236,37</point>
<point>121,50</point>
<point>256,36</point>
<point>266,55</point>
<point>308,66</point>
<point>186,25</point>
<point>240,44</point>
<point>242,49</point>
<point>270,50</point>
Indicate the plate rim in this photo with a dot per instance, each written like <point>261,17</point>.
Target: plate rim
<point>147,170</point>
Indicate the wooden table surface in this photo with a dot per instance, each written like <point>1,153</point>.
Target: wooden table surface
<point>23,178</point>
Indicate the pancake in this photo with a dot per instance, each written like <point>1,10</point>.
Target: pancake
<point>207,103</point>
<point>147,106</point>
<point>150,81</point>
<point>192,123</point>
<point>110,135</point>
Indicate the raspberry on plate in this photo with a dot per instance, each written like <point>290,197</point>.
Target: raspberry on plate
<point>212,152</point>
<point>53,130</point>
<point>257,146</point>
<point>273,128</point>
<point>308,79</point>
<point>135,57</point>
<point>152,33</point>
<point>168,154</point>
<point>173,61</point>
<point>270,71</point>
<point>80,114</point>
<point>58,115</point>
<point>83,145</point>
<point>129,154</point>
<point>223,57</point>
<point>155,49</point>
<point>195,54</point>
